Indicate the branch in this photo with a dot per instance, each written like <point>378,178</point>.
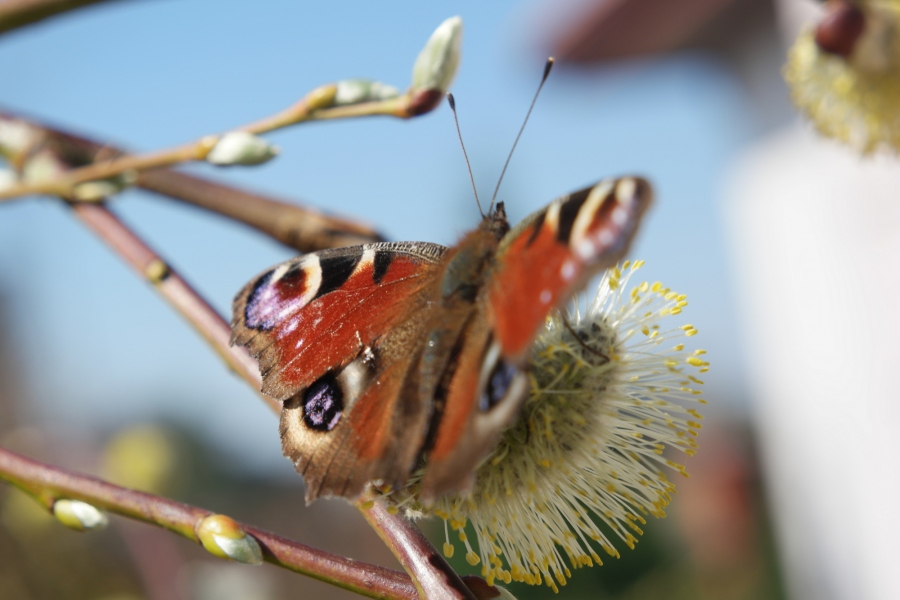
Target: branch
<point>299,227</point>
<point>304,229</point>
<point>318,105</point>
<point>429,571</point>
<point>18,13</point>
<point>48,484</point>
<point>174,289</point>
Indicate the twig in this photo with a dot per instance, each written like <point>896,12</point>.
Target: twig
<point>304,229</point>
<point>315,106</point>
<point>296,226</point>
<point>18,13</point>
<point>428,569</point>
<point>49,484</point>
<point>175,290</point>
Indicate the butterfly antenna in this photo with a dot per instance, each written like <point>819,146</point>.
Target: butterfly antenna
<point>547,68</point>
<point>452,102</point>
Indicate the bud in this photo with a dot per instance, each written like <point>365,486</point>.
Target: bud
<point>8,178</point>
<point>354,91</point>
<point>436,65</point>
<point>41,167</point>
<point>223,537</point>
<point>16,137</point>
<point>241,148</point>
<point>79,515</point>
<point>321,97</point>
<point>94,191</point>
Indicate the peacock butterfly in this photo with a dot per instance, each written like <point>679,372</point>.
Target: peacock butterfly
<point>391,356</point>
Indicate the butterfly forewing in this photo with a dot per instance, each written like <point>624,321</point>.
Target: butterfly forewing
<point>316,312</point>
<point>549,256</point>
<point>332,331</point>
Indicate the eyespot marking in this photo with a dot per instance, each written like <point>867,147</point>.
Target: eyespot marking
<point>498,384</point>
<point>323,404</point>
<point>281,291</point>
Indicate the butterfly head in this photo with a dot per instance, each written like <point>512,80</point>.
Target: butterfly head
<point>495,221</point>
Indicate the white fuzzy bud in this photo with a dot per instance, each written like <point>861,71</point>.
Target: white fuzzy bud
<point>223,537</point>
<point>79,515</point>
<point>241,148</point>
<point>16,136</point>
<point>354,91</point>
<point>93,191</point>
<point>436,64</point>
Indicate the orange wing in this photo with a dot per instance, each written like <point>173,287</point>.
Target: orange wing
<point>551,254</point>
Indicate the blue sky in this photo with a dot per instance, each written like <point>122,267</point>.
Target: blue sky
<point>100,349</point>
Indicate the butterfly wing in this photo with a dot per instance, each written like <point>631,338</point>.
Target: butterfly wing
<point>335,334</point>
<point>552,253</point>
<point>538,266</point>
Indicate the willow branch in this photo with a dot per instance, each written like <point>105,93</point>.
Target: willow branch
<point>18,13</point>
<point>304,229</point>
<point>174,289</point>
<point>315,106</point>
<point>296,226</point>
<point>432,576</point>
<point>48,484</point>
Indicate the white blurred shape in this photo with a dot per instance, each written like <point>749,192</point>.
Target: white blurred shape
<point>816,236</point>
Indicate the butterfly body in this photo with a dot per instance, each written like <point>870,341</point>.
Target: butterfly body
<point>393,356</point>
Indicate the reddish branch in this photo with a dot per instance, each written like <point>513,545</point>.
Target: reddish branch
<point>48,484</point>
<point>301,228</point>
<point>175,290</point>
<point>429,570</point>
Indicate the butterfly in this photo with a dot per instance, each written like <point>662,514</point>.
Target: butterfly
<point>393,356</point>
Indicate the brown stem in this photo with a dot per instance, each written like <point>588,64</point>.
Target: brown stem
<point>305,229</point>
<point>428,569</point>
<point>175,290</point>
<point>49,484</point>
<point>18,13</point>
